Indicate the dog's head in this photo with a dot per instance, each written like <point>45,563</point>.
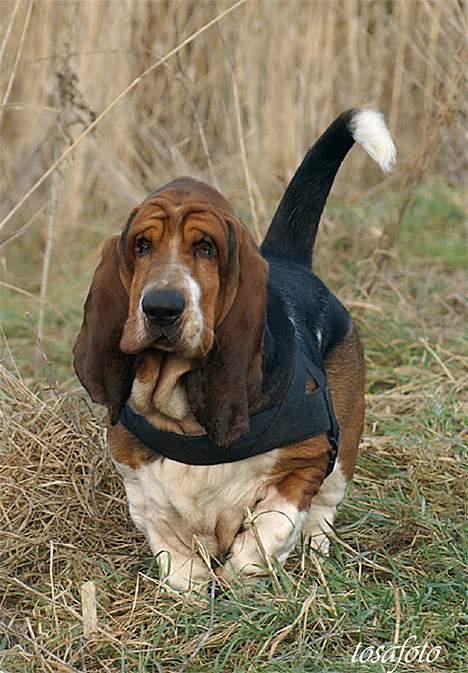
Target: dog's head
<point>184,277</point>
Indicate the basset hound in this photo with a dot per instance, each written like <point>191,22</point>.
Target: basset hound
<point>233,378</point>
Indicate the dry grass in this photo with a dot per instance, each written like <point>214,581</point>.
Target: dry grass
<point>237,106</point>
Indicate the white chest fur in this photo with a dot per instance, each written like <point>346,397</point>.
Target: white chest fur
<point>172,502</point>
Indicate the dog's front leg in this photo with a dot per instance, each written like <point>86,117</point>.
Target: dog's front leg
<point>181,565</point>
<point>271,530</point>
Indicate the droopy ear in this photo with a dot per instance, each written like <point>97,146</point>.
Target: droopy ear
<point>102,368</point>
<point>220,390</point>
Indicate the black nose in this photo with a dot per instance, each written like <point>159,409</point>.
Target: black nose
<point>163,307</point>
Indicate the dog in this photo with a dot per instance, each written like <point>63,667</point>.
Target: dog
<point>232,377</point>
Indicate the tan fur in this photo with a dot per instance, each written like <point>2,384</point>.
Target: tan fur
<point>158,395</point>
<point>126,449</point>
<point>346,376</point>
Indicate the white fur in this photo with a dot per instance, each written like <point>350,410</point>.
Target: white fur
<point>370,131</point>
<point>272,531</point>
<point>322,510</point>
<point>193,330</point>
<point>175,406</point>
<point>179,506</point>
<point>319,337</point>
<point>182,508</point>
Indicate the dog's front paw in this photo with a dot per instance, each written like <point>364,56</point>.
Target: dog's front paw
<point>181,582</point>
<point>319,542</point>
<point>270,532</point>
<point>183,573</point>
<point>246,557</point>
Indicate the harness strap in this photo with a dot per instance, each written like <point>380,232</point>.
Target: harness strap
<point>298,417</point>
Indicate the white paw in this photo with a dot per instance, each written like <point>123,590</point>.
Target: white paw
<point>322,511</point>
<point>271,532</point>
<point>182,573</point>
<point>246,556</point>
<point>319,542</point>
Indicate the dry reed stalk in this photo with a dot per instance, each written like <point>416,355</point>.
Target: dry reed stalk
<point>443,117</point>
<point>240,134</point>
<point>19,51</point>
<point>188,86</point>
<point>46,267</point>
<point>70,108</point>
<point>25,293</point>
<point>287,630</point>
<point>429,83</point>
<point>403,19</point>
<point>8,30</point>
<point>18,54</point>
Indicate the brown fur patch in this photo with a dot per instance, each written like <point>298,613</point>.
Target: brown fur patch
<point>311,386</point>
<point>102,368</point>
<point>346,375</point>
<point>126,449</point>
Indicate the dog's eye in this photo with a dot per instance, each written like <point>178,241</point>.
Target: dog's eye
<point>142,247</point>
<point>205,248</point>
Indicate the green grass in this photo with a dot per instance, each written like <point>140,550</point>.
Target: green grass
<point>398,561</point>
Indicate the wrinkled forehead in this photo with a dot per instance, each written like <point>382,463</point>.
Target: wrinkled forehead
<point>178,199</point>
<point>186,189</point>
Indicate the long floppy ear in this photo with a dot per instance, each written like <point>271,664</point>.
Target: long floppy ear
<point>102,368</point>
<point>220,390</point>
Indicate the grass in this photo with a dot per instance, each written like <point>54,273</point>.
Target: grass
<point>397,562</point>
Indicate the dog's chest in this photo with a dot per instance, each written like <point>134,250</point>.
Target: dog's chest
<point>167,498</point>
<point>172,499</point>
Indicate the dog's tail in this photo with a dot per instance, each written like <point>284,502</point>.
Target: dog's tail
<point>293,229</point>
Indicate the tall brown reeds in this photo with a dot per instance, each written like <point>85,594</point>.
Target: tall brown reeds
<point>276,71</point>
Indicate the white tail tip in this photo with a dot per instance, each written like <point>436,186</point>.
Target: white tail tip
<point>370,131</point>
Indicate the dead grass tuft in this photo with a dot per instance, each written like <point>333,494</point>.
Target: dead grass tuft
<point>59,471</point>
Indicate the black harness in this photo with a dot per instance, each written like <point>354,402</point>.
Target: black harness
<point>299,416</point>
